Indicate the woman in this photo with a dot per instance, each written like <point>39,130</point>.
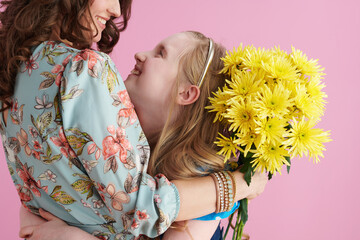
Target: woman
<point>92,174</point>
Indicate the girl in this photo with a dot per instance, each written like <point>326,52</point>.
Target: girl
<point>73,142</point>
<point>170,88</point>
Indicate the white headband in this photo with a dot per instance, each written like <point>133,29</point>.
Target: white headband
<point>208,61</point>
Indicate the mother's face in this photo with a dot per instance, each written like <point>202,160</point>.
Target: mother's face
<point>101,11</point>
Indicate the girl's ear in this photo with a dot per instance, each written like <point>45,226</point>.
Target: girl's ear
<point>188,94</point>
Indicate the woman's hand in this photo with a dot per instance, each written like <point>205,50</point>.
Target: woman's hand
<point>53,229</point>
<point>27,218</point>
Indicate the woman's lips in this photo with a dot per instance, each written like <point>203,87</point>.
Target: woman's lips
<point>101,21</point>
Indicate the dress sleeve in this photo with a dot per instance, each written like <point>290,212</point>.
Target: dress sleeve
<point>107,143</point>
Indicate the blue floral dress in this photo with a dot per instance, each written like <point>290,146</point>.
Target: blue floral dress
<point>74,147</point>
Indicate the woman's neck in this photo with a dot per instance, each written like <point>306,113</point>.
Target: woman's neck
<point>55,36</point>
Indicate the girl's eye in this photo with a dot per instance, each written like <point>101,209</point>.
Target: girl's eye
<point>160,53</point>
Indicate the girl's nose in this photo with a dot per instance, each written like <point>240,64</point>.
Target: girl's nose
<point>115,8</point>
<point>140,57</point>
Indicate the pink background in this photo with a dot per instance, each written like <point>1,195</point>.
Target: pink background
<point>315,201</point>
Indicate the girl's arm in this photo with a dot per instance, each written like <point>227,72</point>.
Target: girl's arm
<point>192,229</point>
<point>198,196</point>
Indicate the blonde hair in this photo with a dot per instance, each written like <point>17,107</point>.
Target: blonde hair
<point>185,147</point>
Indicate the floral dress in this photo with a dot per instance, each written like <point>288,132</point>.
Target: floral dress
<point>74,147</point>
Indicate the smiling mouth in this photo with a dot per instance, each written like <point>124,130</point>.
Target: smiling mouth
<point>135,72</point>
<point>101,20</point>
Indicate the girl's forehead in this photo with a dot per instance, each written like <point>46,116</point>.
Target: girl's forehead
<point>177,44</point>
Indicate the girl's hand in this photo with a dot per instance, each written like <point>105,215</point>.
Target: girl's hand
<point>257,185</point>
<point>53,229</point>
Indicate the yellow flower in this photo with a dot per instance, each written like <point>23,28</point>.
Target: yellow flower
<point>227,146</point>
<point>240,115</point>
<point>278,52</point>
<point>317,96</point>
<point>255,58</point>
<point>280,68</point>
<point>243,84</point>
<point>273,103</point>
<point>303,102</point>
<point>302,139</point>
<point>233,61</point>
<point>248,140</point>
<point>218,103</point>
<point>305,66</point>
<point>264,104</point>
<point>271,129</point>
<point>270,157</point>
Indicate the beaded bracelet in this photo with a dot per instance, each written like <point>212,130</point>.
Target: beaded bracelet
<point>234,186</point>
<point>231,186</point>
<point>217,192</point>
<point>221,192</point>
<point>225,190</point>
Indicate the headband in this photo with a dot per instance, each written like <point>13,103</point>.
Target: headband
<point>208,61</point>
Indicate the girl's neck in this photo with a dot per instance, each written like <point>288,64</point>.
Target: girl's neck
<point>152,140</point>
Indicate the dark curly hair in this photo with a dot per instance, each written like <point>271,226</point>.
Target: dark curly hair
<point>26,23</point>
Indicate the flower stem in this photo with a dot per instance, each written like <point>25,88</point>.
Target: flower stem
<point>228,226</point>
<point>240,231</point>
<point>236,224</point>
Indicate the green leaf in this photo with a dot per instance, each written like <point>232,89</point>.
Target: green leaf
<point>56,157</point>
<point>82,176</point>
<point>62,197</point>
<point>110,227</point>
<point>55,53</point>
<point>82,186</point>
<point>11,170</point>
<point>46,84</point>
<point>77,132</point>
<point>270,175</point>
<point>111,79</point>
<point>90,194</point>
<point>109,219</point>
<point>79,152</point>
<point>56,188</point>
<point>33,121</point>
<point>50,60</point>
<point>288,167</point>
<point>58,118</point>
<point>44,52</point>
<point>44,121</point>
<point>48,151</point>
<point>247,170</point>
<point>244,210</point>
<point>76,142</point>
<point>48,160</point>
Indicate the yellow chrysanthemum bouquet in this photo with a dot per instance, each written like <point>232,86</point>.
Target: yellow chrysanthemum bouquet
<point>271,104</point>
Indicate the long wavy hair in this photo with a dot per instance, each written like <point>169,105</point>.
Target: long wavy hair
<point>27,23</point>
<point>185,147</point>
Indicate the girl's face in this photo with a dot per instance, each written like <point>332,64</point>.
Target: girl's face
<point>101,11</point>
<point>151,82</point>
